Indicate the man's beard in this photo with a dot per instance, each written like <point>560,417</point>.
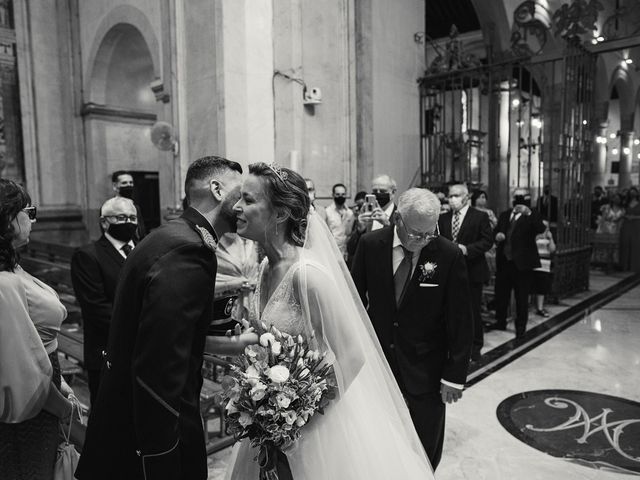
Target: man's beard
<point>228,215</point>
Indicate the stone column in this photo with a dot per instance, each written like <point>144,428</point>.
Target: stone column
<point>626,156</point>
<point>599,157</point>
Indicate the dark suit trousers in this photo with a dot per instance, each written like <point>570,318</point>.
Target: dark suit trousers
<point>508,277</point>
<point>428,412</point>
<point>475,291</point>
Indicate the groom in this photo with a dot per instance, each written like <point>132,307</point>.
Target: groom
<point>414,285</point>
<point>146,422</point>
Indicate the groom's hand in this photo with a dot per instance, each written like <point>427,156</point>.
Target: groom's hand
<point>450,394</point>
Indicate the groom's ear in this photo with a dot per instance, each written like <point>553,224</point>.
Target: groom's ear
<point>216,190</point>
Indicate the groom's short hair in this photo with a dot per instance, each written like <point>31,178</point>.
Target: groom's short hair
<point>205,168</point>
<point>420,201</point>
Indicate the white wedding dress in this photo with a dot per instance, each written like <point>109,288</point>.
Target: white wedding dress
<point>366,433</point>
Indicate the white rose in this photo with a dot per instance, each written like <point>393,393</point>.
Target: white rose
<point>276,348</point>
<point>283,400</point>
<point>245,419</point>
<point>278,374</point>
<point>258,392</point>
<point>300,421</point>
<point>266,339</point>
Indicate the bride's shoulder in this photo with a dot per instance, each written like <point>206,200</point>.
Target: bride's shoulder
<point>311,272</point>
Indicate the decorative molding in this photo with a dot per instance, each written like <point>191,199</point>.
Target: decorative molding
<point>453,57</point>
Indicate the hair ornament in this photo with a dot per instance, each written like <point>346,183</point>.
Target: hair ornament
<point>275,168</point>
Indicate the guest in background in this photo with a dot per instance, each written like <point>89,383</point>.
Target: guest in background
<point>358,202</point>
<point>480,202</point>
<point>516,258</point>
<point>312,195</point>
<point>123,185</point>
<point>606,240</point>
<point>542,276</point>
<point>470,230</point>
<point>340,218</point>
<point>94,273</point>
<point>384,188</point>
<point>630,233</point>
<point>598,200</point>
<point>547,205</point>
<point>34,397</point>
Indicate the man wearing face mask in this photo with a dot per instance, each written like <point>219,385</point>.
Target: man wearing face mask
<point>516,258</point>
<point>340,218</point>
<point>123,186</point>
<point>94,274</point>
<point>371,219</point>
<point>471,231</point>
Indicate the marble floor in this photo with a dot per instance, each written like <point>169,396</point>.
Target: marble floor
<point>598,354</point>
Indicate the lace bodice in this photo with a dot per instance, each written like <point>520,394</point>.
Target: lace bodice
<point>282,310</point>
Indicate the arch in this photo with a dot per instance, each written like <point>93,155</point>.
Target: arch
<point>115,23</point>
<point>622,83</point>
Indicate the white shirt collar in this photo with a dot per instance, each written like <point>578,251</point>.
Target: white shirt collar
<point>118,244</point>
<point>464,210</point>
<point>396,238</point>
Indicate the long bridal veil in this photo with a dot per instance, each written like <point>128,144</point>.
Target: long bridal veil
<point>367,431</point>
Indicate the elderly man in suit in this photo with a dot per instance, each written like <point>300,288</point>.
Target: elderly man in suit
<point>94,274</point>
<point>471,231</point>
<point>516,258</point>
<point>146,421</point>
<point>415,288</point>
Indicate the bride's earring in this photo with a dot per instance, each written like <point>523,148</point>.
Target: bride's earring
<point>276,229</point>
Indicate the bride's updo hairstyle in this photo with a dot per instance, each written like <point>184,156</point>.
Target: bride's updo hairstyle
<point>288,193</point>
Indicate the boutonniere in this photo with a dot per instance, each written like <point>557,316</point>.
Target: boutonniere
<point>427,270</point>
<point>207,238</point>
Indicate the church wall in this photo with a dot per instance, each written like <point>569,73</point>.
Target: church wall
<point>398,61</point>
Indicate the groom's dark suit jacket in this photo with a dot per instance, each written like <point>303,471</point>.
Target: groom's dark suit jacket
<point>428,337</point>
<point>146,421</point>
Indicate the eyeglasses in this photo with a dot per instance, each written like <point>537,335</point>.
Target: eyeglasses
<point>123,218</point>
<point>31,211</point>
<point>423,237</point>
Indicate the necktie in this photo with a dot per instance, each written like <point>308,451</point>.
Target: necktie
<point>455,227</point>
<point>403,275</point>
<point>507,243</point>
<point>126,248</point>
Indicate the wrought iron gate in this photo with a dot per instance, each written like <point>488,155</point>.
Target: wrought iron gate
<point>519,124</point>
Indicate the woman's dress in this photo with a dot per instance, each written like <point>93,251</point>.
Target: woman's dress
<point>630,240</point>
<point>353,439</point>
<point>30,320</point>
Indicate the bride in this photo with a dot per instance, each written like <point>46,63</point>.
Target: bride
<point>305,288</point>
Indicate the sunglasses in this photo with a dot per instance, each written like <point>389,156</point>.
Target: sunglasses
<point>31,212</point>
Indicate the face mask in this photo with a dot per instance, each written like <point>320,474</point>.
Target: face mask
<point>339,200</point>
<point>383,198</point>
<point>122,231</point>
<point>126,192</point>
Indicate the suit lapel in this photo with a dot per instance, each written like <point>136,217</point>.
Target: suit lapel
<point>386,268</point>
<point>445,229</point>
<point>466,221</point>
<point>110,250</point>
<point>427,254</point>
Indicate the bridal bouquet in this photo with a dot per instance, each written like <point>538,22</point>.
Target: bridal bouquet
<point>272,391</point>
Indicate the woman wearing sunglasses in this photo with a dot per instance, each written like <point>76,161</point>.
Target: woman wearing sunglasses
<point>31,400</point>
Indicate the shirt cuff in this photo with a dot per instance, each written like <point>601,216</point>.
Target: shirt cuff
<point>451,384</point>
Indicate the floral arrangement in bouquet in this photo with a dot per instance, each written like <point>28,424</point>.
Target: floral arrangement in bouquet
<point>272,391</point>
